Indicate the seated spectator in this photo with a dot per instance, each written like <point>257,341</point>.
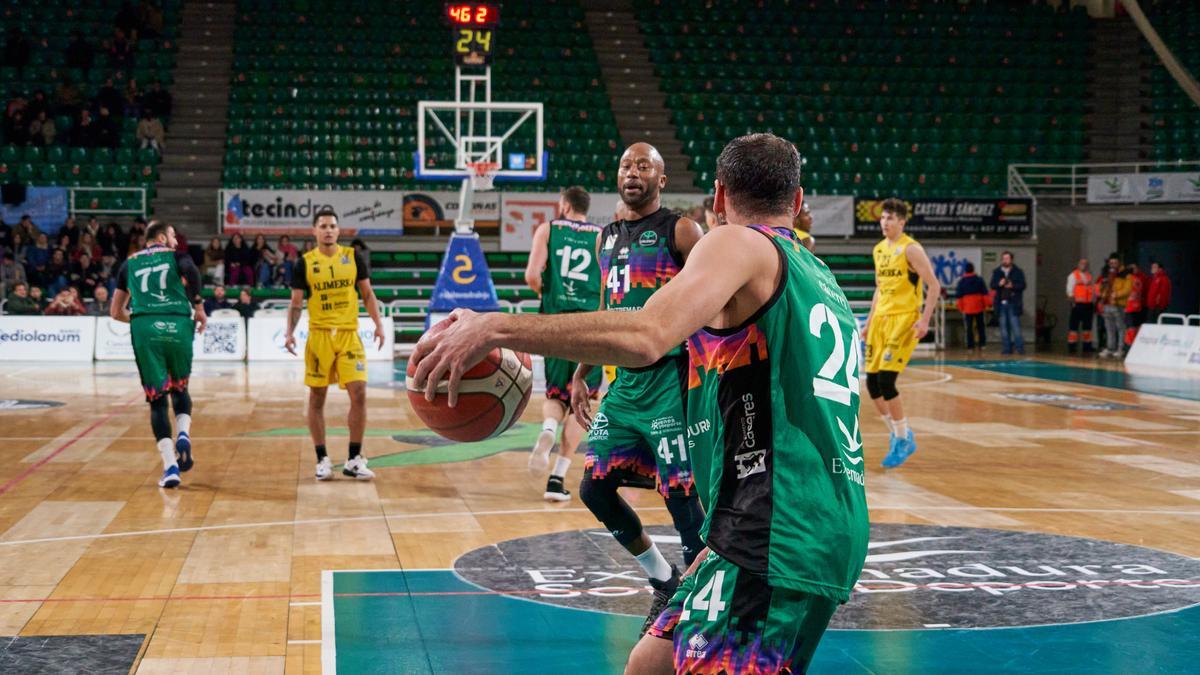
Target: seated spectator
<point>158,101</point>
<point>86,246</point>
<point>112,242</point>
<point>214,262</point>
<point>79,52</point>
<point>19,247</point>
<point>972,296</point>
<point>265,260</point>
<point>217,301</point>
<point>68,100</point>
<point>35,294</point>
<point>71,230</point>
<point>133,99</point>
<point>42,130</point>
<point>100,304</point>
<point>246,306</point>
<point>56,272</point>
<point>288,255</point>
<point>84,133</point>
<point>92,227</point>
<point>37,257</point>
<point>239,262</point>
<point>20,302</point>
<point>16,128</point>
<point>120,51</point>
<point>107,131</point>
<point>85,276</point>
<point>11,273</point>
<point>27,228</point>
<point>150,133</point>
<point>109,97</point>
<point>66,303</point>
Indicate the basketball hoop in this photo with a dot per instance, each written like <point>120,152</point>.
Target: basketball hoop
<point>482,174</point>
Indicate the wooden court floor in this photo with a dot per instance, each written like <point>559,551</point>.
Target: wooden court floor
<point>226,573</point>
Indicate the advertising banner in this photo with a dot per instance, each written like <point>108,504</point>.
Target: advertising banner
<point>429,210</point>
<point>950,262</point>
<point>951,218</point>
<point>464,280</point>
<point>1163,345</point>
<point>47,206</point>
<point>266,338</point>
<point>47,338</point>
<point>1142,188</point>
<point>223,339</point>
<point>521,213</point>
<point>291,211</point>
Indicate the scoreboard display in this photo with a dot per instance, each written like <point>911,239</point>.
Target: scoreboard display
<point>474,30</point>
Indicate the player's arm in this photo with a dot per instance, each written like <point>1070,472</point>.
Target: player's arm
<point>918,261</point>
<point>538,253</point>
<point>631,339</point>
<point>687,234</point>
<point>296,306</point>
<point>871,312</point>
<point>368,297</point>
<point>118,309</point>
<point>192,282</point>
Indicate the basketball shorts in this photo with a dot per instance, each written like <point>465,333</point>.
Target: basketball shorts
<point>162,349</point>
<point>890,342</point>
<point>724,619</point>
<point>639,434</point>
<point>558,380</point>
<point>334,355</point>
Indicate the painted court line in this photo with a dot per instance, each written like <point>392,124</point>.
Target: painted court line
<point>328,634</point>
<point>304,642</point>
<point>1170,467</point>
<point>305,604</point>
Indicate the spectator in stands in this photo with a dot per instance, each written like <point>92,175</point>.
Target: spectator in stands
<point>68,100</point>
<point>37,259</point>
<point>28,228</point>
<point>19,248</point>
<point>246,305</point>
<point>84,133</point>
<point>71,229</point>
<point>265,260</point>
<point>239,262</point>
<point>133,99</point>
<point>112,242</point>
<point>214,262</point>
<point>17,50</point>
<point>87,246</point>
<point>710,216</point>
<point>217,301</point>
<point>80,53</point>
<point>150,19</point>
<point>1111,298</point>
<point>972,296</point>
<point>66,303</point>
<point>120,50</point>
<point>158,101</point>
<point>42,130</point>
<point>107,131</point>
<point>1135,304</point>
<point>802,227</point>
<point>20,302</point>
<point>137,242</point>
<point>100,304</point>
<point>85,276</point>
<point>56,272</point>
<point>11,273</point>
<point>108,97</point>
<point>93,228</point>
<point>288,255</point>
<point>150,133</point>
<point>1008,281</point>
<point>6,233</point>
<point>16,128</point>
<point>1158,298</point>
<point>1081,293</point>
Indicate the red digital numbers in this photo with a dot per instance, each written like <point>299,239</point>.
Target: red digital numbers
<point>473,14</point>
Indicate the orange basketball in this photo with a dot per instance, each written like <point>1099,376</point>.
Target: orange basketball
<point>491,397</point>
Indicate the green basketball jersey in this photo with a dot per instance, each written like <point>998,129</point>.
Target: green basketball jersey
<point>154,284</point>
<point>571,279</point>
<point>638,257</point>
<point>773,424</point>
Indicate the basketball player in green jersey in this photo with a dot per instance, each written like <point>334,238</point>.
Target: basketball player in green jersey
<point>163,293</point>
<point>773,402</point>
<point>563,269</point>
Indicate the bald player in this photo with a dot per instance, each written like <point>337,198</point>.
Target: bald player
<point>638,437</point>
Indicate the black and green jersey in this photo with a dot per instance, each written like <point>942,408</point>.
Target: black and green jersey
<point>638,257</point>
<point>773,424</point>
<point>155,281</point>
<point>571,278</point>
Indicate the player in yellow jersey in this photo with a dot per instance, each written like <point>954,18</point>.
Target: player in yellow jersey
<point>897,321</point>
<point>802,226</point>
<point>334,353</point>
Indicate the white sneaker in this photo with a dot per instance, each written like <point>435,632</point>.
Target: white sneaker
<point>1104,353</point>
<point>357,468</point>
<point>324,469</point>
<point>539,458</point>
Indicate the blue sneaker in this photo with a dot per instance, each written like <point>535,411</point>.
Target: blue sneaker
<point>900,450</point>
<point>170,478</point>
<point>183,451</point>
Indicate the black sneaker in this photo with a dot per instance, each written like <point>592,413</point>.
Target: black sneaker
<point>663,591</point>
<point>555,492</point>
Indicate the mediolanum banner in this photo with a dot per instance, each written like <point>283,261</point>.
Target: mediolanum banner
<point>1143,188</point>
<point>291,211</point>
<point>47,338</point>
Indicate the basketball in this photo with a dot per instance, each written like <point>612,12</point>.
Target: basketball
<point>491,397</point>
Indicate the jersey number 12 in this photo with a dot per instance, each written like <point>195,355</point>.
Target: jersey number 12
<point>581,258</point>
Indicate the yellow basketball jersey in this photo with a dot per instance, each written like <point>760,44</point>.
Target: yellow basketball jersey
<point>801,235</point>
<point>900,289</point>
<point>332,285</point>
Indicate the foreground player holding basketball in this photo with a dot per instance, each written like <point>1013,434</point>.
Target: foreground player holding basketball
<point>163,293</point>
<point>563,269</point>
<point>334,353</point>
<point>773,402</point>
<point>897,322</point>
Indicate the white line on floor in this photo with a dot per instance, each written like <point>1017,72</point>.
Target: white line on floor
<point>305,604</point>
<point>304,642</point>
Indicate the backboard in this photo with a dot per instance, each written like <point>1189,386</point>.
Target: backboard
<point>450,134</point>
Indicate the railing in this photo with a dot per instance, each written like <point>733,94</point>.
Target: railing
<point>1185,319</point>
<point>140,192</point>
<point>1067,183</point>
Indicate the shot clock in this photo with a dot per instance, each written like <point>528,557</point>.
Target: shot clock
<point>474,29</point>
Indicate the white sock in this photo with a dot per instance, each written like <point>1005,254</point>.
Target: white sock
<point>655,564</point>
<point>166,448</point>
<point>901,427</point>
<point>887,419</point>
<point>183,424</point>
<point>550,425</point>
<point>560,466</point>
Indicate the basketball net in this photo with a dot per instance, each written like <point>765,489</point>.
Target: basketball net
<point>482,174</point>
